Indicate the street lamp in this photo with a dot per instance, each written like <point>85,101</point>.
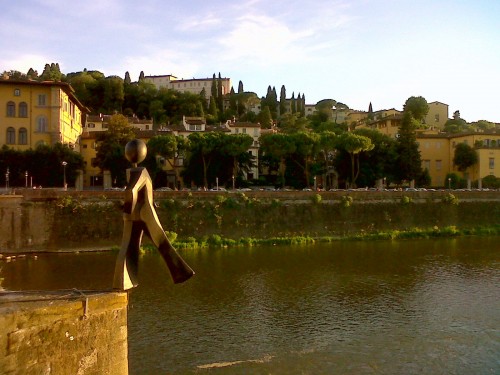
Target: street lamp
<point>26,179</point>
<point>217,183</point>
<point>233,181</point>
<point>314,178</point>
<point>64,164</point>
<point>7,178</point>
<point>449,183</point>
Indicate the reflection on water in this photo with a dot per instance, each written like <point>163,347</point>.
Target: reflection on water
<point>426,307</point>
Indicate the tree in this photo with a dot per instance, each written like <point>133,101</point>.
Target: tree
<point>293,123</point>
<point>114,94</point>
<point>235,146</point>
<point>127,80</point>
<point>465,157</point>
<point>327,149</point>
<point>51,72</point>
<point>110,150</point>
<point>353,144</point>
<point>417,106</point>
<point>306,149</point>
<point>167,149</point>
<point>277,146</point>
<point>203,145</point>
<point>378,162</point>
<point>264,118</point>
<point>240,87</point>
<point>410,163</point>
<point>282,106</point>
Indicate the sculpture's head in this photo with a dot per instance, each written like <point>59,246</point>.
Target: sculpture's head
<point>135,151</point>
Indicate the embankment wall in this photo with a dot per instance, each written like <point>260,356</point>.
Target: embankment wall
<point>46,220</point>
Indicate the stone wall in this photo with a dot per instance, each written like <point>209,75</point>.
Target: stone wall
<point>53,220</point>
<point>64,332</point>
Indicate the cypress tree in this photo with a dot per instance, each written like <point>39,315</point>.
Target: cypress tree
<point>282,106</point>
<point>410,162</point>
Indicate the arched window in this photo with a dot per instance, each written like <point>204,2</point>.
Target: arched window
<point>11,136</point>
<point>41,124</point>
<point>11,109</point>
<point>23,109</point>
<point>23,136</point>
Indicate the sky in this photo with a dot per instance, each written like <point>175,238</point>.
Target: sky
<point>353,51</point>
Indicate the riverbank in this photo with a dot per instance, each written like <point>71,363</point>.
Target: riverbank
<point>90,221</point>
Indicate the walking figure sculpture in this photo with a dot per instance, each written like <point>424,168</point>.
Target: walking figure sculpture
<point>139,217</point>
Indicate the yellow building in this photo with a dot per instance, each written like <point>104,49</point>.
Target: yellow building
<point>34,113</point>
<point>438,150</point>
<point>437,115</point>
<point>388,125</point>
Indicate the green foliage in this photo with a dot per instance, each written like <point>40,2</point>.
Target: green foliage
<point>491,182</point>
<point>450,199</point>
<point>454,181</point>
<point>410,163</point>
<point>43,164</point>
<point>316,199</point>
<point>68,204</point>
<point>172,236</point>
<point>220,199</point>
<point>405,200</point>
<point>346,201</point>
<point>465,157</point>
<point>416,106</point>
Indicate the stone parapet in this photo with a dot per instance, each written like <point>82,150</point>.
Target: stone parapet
<point>63,332</point>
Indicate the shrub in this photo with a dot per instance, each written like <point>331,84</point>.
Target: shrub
<point>406,200</point>
<point>346,201</point>
<point>316,199</point>
<point>450,199</point>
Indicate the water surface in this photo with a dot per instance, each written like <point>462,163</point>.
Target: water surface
<point>405,307</point>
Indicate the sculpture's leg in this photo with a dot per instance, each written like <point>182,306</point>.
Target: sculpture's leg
<point>179,269</point>
<point>126,267</point>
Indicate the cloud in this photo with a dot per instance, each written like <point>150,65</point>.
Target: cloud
<point>263,40</point>
<point>159,62</point>
<point>200,23</point>
<point>24,62</point>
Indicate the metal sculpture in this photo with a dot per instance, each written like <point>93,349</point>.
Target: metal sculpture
<point>139,217</point>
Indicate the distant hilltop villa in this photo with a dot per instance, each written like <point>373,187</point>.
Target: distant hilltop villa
<point>194,85</point>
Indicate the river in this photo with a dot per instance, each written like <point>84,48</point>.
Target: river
<point>385,307</point>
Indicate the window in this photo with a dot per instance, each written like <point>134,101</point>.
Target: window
<point>11,136</point>
<point>17,92</point>
<point>492,163</point>
<point>244,130</point>
<point>41,124</point>
<point>91,125</point>
<point>11,109</point>
<point>427,165</point>
<point>42,99</point>
<point>436,118</point>
<point>23,136</point>
<point>84,146</point>
<point>23,109</point>
<point>438,165</point>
